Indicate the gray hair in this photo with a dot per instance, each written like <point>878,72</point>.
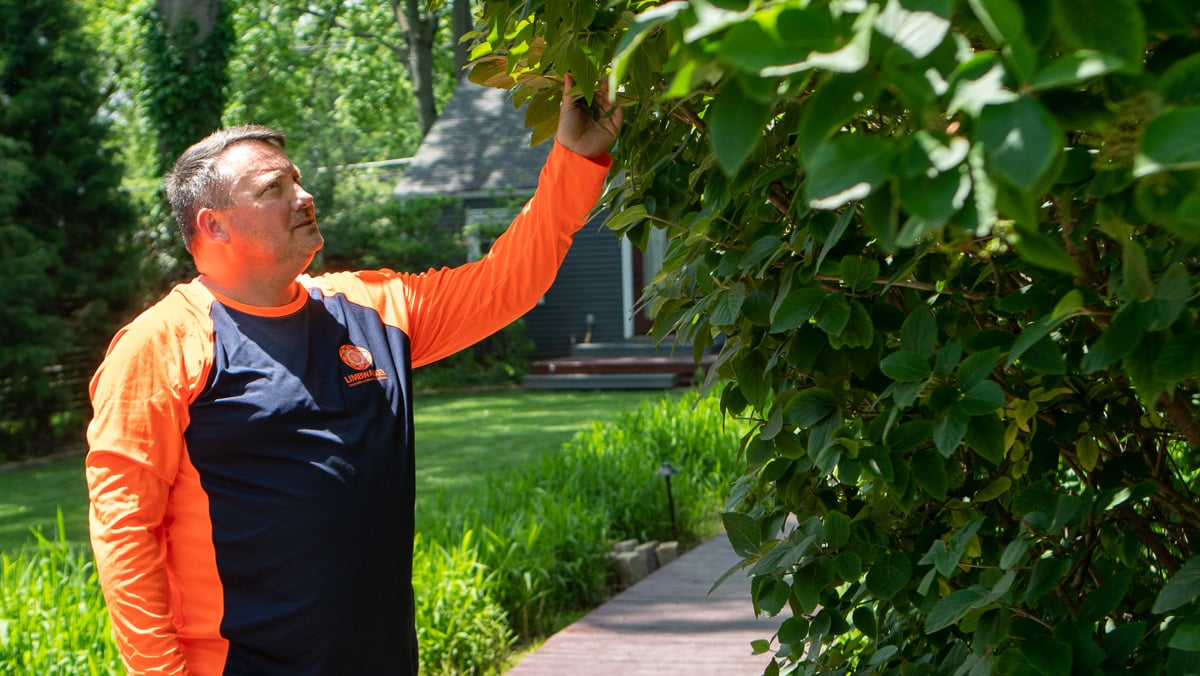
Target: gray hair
<point>196,182</point>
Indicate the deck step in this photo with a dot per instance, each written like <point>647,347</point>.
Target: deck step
<point>599,381</point>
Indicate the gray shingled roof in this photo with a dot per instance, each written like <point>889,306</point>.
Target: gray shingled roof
<point>478,146</point>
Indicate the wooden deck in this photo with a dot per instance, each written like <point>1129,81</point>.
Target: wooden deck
<point>665,624</point>
<point>630,365</point>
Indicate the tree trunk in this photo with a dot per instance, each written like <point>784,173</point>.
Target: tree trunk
<point>419,29</point>
<point>461,23</point>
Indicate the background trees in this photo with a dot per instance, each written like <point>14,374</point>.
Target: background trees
<point>64,226</point>
<point>948,249</point>
<point>93,88</point>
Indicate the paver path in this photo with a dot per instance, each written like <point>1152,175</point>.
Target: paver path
<point>665,624</point>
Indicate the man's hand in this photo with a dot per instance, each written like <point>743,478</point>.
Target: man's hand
<point>577,131</point>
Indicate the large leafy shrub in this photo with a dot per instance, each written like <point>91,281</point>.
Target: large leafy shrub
<point>952,248</point>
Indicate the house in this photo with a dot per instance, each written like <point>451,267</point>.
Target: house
<point>478,153</point>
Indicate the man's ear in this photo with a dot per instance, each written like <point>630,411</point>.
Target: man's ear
<point>209,225</point>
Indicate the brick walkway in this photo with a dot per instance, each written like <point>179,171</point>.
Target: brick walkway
<point>666,623</point>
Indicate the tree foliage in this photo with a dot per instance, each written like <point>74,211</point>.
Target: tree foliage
<point>64,227</point>
<point>948,250</point>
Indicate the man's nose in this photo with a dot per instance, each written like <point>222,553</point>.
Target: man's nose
<point>305,197</point>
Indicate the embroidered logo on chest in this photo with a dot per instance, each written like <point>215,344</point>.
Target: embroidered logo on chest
<point>359,359</point>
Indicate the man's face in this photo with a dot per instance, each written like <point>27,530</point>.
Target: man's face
<point>272,222</point>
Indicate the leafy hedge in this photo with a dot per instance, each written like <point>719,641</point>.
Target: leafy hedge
<point>953,249</point>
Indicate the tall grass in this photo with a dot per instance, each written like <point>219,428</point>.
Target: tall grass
<point>53,621</point>
<point>548,527</point>
<point>511,562</point>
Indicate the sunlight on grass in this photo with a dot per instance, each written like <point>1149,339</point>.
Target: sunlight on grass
<point>462,441</point>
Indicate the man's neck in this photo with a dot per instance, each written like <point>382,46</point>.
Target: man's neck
<point>253,291</point>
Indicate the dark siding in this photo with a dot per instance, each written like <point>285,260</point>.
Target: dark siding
<point>588,283</point>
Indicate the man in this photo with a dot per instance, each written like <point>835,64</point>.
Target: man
<point>251,464</point>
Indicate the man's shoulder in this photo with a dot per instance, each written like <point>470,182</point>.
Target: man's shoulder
<point>184,310</point>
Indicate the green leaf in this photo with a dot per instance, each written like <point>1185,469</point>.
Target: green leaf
<point>1014,552</point>
<point>859,331</point>
<point>1123,640</point>
<point>1181,590</point>
<point>948,432</point>
<point>929,471</point>
<point>1121,336</point>
<point>735,125</point>
<point>728,307</point>
<point>1045,357</point>
<point>744,533</point>
<point>1135,271</point>
<point>1171,296</point>
<point>1170,142</point>
<point>976,367</point>
<point>864,620</point>
<point>638,31</point>
<point>982,398</point>
<point>1179,357</point>
<point>1106,598</point>
<point>1075,69</point>
<point>1005,22</point>
<point>797,308</point>
<point>810,407</point>
<point>919,333</point>
<point>772,596</point>
<point>889,575</point>
<point>905,367</point>
<point>1046,574</point>
<point>1041,250</point>
<point>834,315</point>
<point>917,32</point>
<point>859,274</point>
<point>1186,636</point>
<point>999,486</point>
<point>793,630</point>
<point>1180,84</point>
<point>626,218</point>
<point>985,436</point>
<point>1113,27</point>
<point>836,530</point>
<point>979,83</point>
<point>837,99</point>
<point>1070,306</point>
<point>846,168</point>
<point>877,461</point>
<point>750,368</point>
<point>1048,655</point>
<point>848,566</point>
<point>1021,140</point>
<point>850,58</point>
<point>952,607</point>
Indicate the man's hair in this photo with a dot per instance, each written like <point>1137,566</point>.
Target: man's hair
<point>195,182</point>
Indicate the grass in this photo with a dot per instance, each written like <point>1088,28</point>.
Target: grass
<point>462,442</point>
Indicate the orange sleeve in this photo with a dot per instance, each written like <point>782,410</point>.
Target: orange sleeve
<point>128,502</point>
<point>140,396</point>
<point>444,311</point>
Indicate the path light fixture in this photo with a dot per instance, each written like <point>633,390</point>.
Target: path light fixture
<point>665,471</point>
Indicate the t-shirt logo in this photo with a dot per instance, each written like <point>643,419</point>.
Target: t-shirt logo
<point>359,359</point>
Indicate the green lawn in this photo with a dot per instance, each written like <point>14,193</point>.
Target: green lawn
<point>462,440</point>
